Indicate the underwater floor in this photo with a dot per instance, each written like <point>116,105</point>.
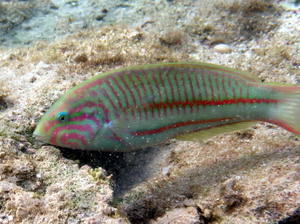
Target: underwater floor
<point>47,47</point>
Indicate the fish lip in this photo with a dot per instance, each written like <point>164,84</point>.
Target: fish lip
<point>41,138</point>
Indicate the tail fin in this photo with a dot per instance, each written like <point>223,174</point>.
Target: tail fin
<point>288,114</point>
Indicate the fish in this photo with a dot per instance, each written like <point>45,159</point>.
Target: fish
<point>141,106</point>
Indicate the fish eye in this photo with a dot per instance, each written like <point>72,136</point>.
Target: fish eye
<point>63,117</point>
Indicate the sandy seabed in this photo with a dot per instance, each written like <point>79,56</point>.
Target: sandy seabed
<point>47,47</point>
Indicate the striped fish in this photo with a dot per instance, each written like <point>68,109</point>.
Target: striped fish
<point>141,106</point>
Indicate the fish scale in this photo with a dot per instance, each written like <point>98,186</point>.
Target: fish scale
<point>142,106</point>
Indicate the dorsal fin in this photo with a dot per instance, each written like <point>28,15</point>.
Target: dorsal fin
<point>199,65</point>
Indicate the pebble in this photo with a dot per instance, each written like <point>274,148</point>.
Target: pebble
<point>222,48</point>
<point>42,65</point>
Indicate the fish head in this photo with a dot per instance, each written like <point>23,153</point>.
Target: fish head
<point>71,122</point>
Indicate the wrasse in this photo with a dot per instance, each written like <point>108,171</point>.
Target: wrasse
<point>141,106</point>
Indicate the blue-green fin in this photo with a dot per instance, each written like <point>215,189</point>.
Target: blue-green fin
<point>208,133</point>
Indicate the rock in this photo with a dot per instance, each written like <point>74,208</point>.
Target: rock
<point>223,48</point>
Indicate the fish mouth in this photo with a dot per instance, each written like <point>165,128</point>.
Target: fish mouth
<point>41,138</point>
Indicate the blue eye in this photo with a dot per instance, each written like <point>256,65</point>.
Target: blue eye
<point>63,117</point>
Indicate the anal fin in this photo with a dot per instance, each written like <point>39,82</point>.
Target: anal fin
<point>208,133</point>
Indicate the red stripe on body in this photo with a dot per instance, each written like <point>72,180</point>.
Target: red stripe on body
<point>179,95</point>
<point>204,85</point>
<point>214,102</point>
<point>192,91</point>
<point>144,89</point>
<point>105,94</point>
<point>158,91</point>
<point>211,88</point>
<point>241,91</point>
<point>137,91</point>
<point>165,92</point>
<point>218,87</point>
<point>151,90</point>
<point>129,89</point>
<point>184,90</point>
<point>198,92</point>
<point>172,93</point>
<point>224,88</point>
<point>122,92</point>
<point>179,124</point>
<point>202,103</point>
<point>112,90</point>
<point>234,93</point>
